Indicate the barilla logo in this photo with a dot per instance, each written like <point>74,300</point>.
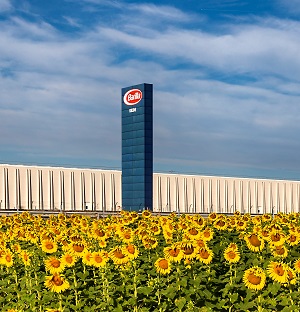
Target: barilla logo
<point>132,96</point>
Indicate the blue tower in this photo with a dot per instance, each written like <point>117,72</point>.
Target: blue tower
<point>137,147</point>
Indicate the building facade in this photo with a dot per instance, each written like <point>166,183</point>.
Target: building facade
<point>73,189</point>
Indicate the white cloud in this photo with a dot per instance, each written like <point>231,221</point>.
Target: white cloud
<point>5,5</point>
<point>60,94</point>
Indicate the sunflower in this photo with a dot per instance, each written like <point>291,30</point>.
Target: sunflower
<point>49,246</point>
<point>7,258</point>
<point>146,214</point>
<point>205,255</point>
<point>25,256</point>
<point>293,239</point>
<point>241,225</point>
<point>254,242</point>
<point>254,278</point>
<point>277,271</point>
<point>199,220</point>
<point>77,248</point>
<point>188,249</point>
<point>212,217</point>
<point>99,259</point>
<point>131,251</point>
<point>56,283</point>
<point>118,256</point>
<point>126,235</point>
<point>291,275</point>
<point>297,265</point>
<point>68,259</point>
<point>192,233</point>
<point>173,253</point>
<point>54,265</point>
<point>221,224</point>
<point>163,266</point>
<point>150,242</point>
<point>232,255</point>
<point>207,234</point>
<point>87,257</point>
<point>279,251</point>
<point>276,238</point>
<point>99,234</point>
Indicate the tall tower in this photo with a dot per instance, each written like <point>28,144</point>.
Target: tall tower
<point>137,147</point>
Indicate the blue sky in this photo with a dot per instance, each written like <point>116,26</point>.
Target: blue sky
<point>226,78</point>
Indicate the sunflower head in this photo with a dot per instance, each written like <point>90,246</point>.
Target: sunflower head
<point>254,278</point>
<point>163,266</point>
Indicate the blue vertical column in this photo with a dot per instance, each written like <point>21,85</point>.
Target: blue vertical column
<point>137,147</point>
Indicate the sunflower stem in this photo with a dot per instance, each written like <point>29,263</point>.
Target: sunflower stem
<point>75,288</point>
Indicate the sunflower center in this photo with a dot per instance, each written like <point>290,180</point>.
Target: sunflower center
<point>293,238</point>
<point>279,270</point>
<point>49,245</point>
<point>78,248</point>
<point>204,253</point>
<point>221,223</point>
<point>118,254</point>
<point>99,233</point>
<point>98,259</point>
<point>253,279</point>
<point>68,259</point>
<point>279,250</point>
<point>163,264</point>
<point>131,249</point>
<point>55,263</point>
<point>275,237</point>
<point>174,252</point>
<point>254,241</point>
<point>57,280</point>
<point>193,231</point>
<point>231,254</point>
<point>188,250</point>
<point>8,258</point>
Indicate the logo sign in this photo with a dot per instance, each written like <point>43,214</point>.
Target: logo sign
<point>132,96</point>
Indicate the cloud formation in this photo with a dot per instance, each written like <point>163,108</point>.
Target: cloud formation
<point>226,96</point>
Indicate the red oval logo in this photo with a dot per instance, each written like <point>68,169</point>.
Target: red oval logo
<point>132,96</point>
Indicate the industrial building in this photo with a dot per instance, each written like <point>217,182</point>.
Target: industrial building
<point>74,189</point>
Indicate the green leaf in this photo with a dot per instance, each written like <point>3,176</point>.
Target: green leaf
<point>180,303</point>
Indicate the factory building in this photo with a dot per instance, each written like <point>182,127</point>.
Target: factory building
<point>74,189</point>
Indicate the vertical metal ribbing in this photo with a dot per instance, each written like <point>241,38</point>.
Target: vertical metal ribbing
<point>233,197</point>
<point>242,197</point>
<point>177,194</point>
<point>62,190</point>
<point>271,199</point>
<point>249,197</point>
<point>29,189</point>
<point>168,206</point>
<point>263,197</point>
<point>292,201</point>
<point>226,195</point>
<point>284,199</point>
<point>6,187</point>
<point>72,190</point>
<point>82,180</point>
<point>94,192</point>
<point>41,191</point>
<point>194,196</point>
<point>278,197</point>
<point>218,196</point>
<point>103,192</point>
<point>113,197</point>
<point>202,196</point>
<point>298,198</point>
<point>18,195</point>
<point>256,198</point>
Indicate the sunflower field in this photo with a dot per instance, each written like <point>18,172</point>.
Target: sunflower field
<point>141,262</point>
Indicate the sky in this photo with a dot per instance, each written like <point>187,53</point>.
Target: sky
<point>226,79</point>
